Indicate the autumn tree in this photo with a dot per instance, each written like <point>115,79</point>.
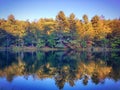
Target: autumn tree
<point>85,18</point>
<point>72,23</point>
<point>114,36</point>
<point>88,32</point>
<point>100,28</point>
<point>63,25</point>
<point>62,31</point>
<point>11,19</point>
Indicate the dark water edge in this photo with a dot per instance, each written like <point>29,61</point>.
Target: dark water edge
<point>31,49</point>
<point>54,70</point>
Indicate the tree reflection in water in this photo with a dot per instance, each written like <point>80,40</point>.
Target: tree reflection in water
<point>68,66</point>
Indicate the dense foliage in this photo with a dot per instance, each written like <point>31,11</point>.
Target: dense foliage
<point>63,31</point>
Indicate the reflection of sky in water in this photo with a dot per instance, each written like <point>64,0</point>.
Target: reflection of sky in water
<point>66,71</point>
<point>20,83</point>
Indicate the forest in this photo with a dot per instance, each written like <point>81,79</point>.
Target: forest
<point>62,32</point>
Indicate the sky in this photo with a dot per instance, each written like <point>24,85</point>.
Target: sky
<point>36,9</point>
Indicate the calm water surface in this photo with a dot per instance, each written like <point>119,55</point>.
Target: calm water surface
<point>54,70</point>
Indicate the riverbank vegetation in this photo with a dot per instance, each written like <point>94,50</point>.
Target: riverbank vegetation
<point>61,32</point>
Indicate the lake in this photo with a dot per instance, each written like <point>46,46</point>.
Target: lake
<point>59,70</point>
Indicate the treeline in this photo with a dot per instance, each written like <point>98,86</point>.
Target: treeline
<point>62,31</point>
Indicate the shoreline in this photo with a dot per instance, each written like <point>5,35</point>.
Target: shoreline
<point>33,49</point>
<point>30,49</point>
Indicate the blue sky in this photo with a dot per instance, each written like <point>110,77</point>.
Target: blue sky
<point>35,9</point>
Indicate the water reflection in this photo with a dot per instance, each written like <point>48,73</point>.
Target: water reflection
<point>62,67</point>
